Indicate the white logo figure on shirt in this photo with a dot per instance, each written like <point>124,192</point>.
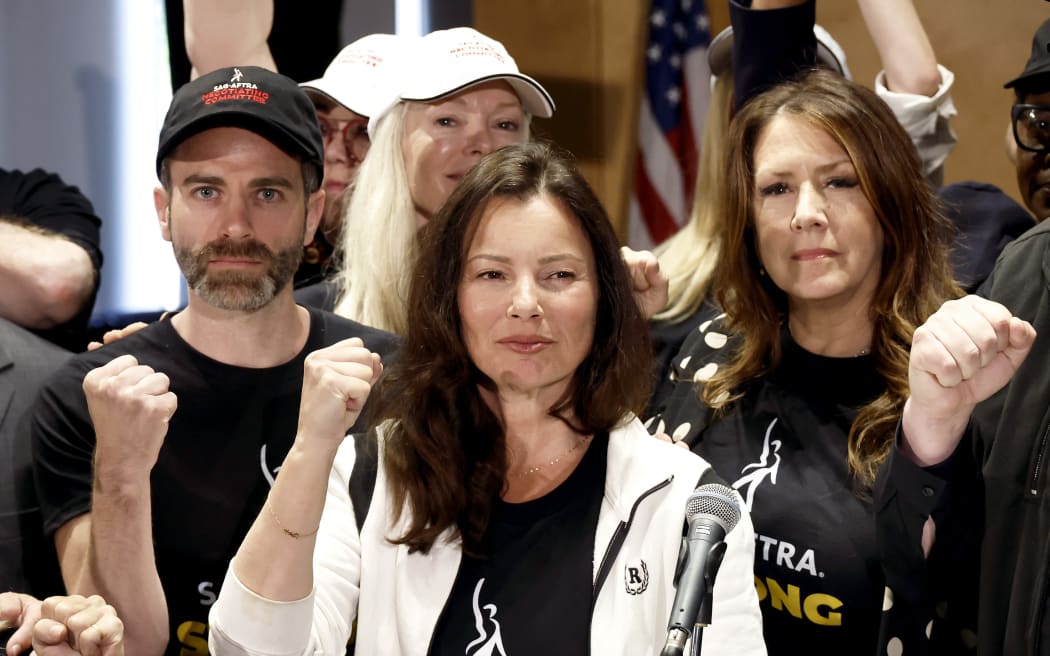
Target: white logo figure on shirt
<point>490,638</point>
<point>237,75</point>
<point>762,468</point>
<point>270,477</point>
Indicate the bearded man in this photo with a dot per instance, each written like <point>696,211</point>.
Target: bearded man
<point>153,454</point>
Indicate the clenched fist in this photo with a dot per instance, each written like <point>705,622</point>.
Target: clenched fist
<point>336,384</point>
<point>130,406</point>
<point>648,283</point>
<point>965,352</point>
<point>62,626</point>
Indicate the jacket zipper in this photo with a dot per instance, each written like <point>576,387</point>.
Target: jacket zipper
<point>611,551</point>
<point>1033,489</point>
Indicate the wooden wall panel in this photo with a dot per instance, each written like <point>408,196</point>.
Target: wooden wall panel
<point>985,43</point>
<point>588,55</point>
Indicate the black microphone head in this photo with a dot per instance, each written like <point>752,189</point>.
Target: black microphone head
<point>716,501</point>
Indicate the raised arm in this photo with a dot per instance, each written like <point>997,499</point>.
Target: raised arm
<point>274,567</point>
<point>228,33</point>
<point>907,56</point>
<point>109,551</point>
<point>912,83</point>
<point>276,558</point>
<point>772,41</point>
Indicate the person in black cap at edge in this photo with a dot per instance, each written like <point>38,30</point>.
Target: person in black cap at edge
<point>965,489</point>
<point>153,454</point>
<point>986,218</point>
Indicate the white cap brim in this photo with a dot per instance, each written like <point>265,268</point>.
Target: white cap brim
<point>534,98</point>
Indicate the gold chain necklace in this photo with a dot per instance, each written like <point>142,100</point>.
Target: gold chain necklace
<point>532,470</point>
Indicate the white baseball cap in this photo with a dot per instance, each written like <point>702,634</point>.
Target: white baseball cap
<point>361,75</point>
<point>446,62</point>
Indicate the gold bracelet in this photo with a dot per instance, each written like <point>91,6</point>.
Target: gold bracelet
<point>292,534</point>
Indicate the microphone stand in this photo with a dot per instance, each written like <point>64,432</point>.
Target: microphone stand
<point>676,637</point>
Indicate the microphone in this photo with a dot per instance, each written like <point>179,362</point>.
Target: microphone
<point>711,512</point>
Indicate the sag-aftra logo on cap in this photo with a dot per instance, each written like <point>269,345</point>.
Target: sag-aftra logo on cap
<point>235,90</point>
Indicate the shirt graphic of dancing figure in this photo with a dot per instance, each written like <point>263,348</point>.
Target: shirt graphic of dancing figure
<point>490,639</point>
<point>761,469</point>
<point>237,75</point>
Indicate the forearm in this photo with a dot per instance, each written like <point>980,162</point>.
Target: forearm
<point>904,48</point>
<point>928,439</point>
<point>120,563</point>
<point>770,45</point>
<point>223,33</point>
<point>275,560</point>
<point>47,278</point>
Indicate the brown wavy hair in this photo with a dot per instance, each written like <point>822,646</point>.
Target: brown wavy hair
<point>444,449</point>
<point>916,277</point>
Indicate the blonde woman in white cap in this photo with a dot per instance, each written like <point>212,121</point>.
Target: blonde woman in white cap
<point>461,97</point>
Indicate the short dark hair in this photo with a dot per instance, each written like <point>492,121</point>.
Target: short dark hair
<point>444,452</point>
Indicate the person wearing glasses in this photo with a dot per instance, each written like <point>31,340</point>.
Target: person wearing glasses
<point>351,90</point>
<point>966,487</point>
<point>1030,125</point>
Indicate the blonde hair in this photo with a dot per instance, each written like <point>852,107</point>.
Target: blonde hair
<point>688,258</point>
<point>379,244</point>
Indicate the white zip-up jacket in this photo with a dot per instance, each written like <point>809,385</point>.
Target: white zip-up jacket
<point>397,597</point>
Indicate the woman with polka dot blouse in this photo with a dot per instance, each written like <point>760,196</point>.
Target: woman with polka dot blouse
<point>834,251</point>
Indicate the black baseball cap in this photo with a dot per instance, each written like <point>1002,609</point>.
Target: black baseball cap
<point>1039,63</point>
<point>266,103</point>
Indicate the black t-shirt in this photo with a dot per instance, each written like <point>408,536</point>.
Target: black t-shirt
<point>43,200</point>
<point>225,443</point>
<point>783,447</point>
<point>531,592</point>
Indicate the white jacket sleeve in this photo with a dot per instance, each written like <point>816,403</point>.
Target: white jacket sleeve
<point>926,120</point>
<point>736,619</point>
<point>242,623</point>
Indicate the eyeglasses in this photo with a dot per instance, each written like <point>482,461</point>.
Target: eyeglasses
<point>1031,127</point>
<point>354,133</point>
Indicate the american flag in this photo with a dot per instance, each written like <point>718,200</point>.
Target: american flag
<point>674,102</point>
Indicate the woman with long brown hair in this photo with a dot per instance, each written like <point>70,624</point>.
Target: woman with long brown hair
<point>834,251</point>
<point>517,505</point>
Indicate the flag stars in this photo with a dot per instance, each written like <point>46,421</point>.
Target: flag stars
<point>680,31</point>
<point>687,5</point>
<point>655,52</point>
<point>674,95</point>
<point>675,61</point>
<point>702,22</point>
<point>658,19</point>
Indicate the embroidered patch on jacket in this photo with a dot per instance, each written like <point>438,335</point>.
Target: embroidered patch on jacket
<point>636,577</point>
